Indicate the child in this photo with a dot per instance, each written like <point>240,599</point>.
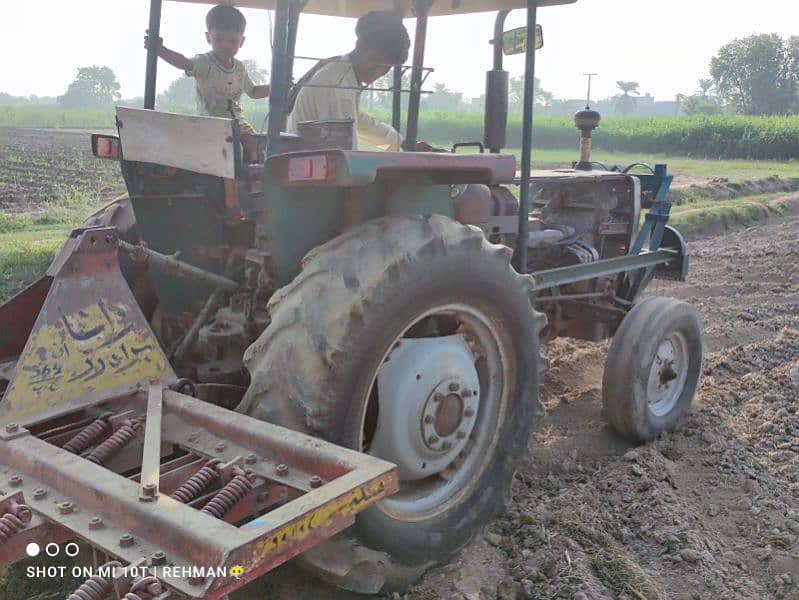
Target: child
<point>220,78</point>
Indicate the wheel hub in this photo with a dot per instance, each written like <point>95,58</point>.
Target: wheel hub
<point>667,375</point>
<point>429,397</point>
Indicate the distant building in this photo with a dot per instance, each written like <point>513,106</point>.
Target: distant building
<point>645,106</point>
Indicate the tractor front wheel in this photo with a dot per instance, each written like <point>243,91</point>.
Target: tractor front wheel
<point>652,368</point>
<point>411,339</point>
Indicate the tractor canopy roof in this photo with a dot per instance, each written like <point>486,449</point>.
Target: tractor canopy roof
<point>356,8</point>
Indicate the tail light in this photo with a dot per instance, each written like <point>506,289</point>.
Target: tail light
<point>303,169</point>
<point>106,146</point>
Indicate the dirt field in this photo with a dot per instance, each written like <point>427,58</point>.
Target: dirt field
<point>711,511</point>
<point>41,167</point>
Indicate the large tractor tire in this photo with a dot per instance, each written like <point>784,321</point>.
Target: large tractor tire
<point>411,339</point>
<point>652,369</point>
<point>119,213</point>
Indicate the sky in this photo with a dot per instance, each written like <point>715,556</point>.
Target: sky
<point>665,45</point>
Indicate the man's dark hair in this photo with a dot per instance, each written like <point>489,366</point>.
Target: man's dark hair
<point>224,17</point>
<point>384,32</point>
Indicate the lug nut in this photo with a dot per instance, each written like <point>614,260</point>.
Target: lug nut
<point>95,523</point>
<point>469,412</point>
<point>316,481</point>
<point>454,387</point>
<point>438,397</point>
<point>158,558</point>
<point>429,419</point>
<point>126,540</point>
<point>15,480</point>
<point>433,439</point>
<point>39,493</point>
<point>282,470</point>
<point>66,507</point>
<point>220,447</point>
<point>250,459</point>
<point>12,428</point>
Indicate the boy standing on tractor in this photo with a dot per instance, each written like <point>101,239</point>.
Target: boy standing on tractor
<point>220,78</point>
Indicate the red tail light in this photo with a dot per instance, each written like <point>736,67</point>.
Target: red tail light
<point>106,146</point>
<point>307,168</point>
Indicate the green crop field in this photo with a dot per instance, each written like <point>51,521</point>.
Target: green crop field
<point>722,137</point>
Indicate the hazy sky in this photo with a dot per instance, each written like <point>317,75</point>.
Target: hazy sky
<point>665,45</point>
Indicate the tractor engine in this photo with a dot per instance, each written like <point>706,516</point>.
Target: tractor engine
<point>580,218</point>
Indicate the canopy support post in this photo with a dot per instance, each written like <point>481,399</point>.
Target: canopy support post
<point>527,136</point>
<point>280,77</point>
<point>153,46</point>
<point>421,7</point>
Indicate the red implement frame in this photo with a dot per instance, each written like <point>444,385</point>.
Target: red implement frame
<point>111,467</point>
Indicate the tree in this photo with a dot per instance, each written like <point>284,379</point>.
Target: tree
<point>704,102</point>
<point>443,99</point>
<point>697,105</point>
<point>180,94</point>
<point>94,87</point>
<point>258,75</point>
<point>516,94</point>
<point>758,74</point>
<point>625,103</point>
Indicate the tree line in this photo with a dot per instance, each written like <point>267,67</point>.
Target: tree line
<point>755,75</point>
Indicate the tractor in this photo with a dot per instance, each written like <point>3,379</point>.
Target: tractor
<point>348,371</point>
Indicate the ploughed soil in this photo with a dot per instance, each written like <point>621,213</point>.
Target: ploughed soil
<point>39,167</point>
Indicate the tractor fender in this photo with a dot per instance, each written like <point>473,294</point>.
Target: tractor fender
<point>677,268</point>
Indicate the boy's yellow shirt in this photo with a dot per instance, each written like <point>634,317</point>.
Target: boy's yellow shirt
<point>218,88</point>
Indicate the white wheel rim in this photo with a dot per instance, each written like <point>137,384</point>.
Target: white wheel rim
<point>667,374</point>
<point>421,499</point>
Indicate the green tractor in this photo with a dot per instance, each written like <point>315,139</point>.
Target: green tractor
<point>394,304</point>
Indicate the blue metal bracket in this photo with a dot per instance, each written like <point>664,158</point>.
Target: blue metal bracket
<point>656,182</point>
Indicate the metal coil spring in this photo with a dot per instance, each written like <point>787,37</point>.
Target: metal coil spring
<point>10,524</point>
<point>143,588</point>
<point>114,444</point>
<point>195,484</point>
<point>88,435</point>
<point>96,587</point>
<point>226,498</point>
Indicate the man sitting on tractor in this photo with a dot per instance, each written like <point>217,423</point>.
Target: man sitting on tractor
<point>221,78</point>
<point>331,90</point>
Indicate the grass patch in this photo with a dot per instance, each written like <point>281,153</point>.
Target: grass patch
<point>612,565</point>
<point>25,256</point>
<point>704,216</point>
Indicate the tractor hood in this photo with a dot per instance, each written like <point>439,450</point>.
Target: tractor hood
<point>357,8</point>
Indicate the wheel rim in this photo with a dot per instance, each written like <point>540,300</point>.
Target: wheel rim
<point>668,374</point>
<point>420,499</point>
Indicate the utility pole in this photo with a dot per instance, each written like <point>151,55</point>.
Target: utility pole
<point>588,96</point>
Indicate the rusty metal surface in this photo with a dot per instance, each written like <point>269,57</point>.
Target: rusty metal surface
<point>90,340</point>
<point>18,315</point>
<point>279,463</point>
<point>151,456</point>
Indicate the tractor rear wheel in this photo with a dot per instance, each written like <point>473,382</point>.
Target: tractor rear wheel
<point>652,368</point>
<point>411,339</point>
